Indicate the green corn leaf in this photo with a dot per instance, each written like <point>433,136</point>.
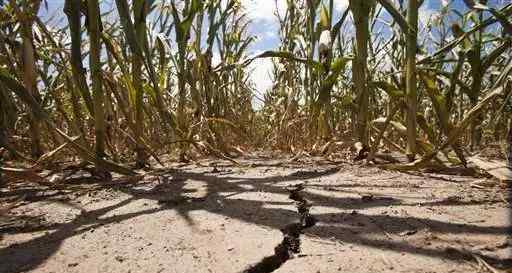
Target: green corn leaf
<point>325,18</point>
<point>390,89</point>
<point>439,103</point>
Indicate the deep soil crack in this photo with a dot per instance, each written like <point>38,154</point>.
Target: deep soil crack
<point>290,244</point>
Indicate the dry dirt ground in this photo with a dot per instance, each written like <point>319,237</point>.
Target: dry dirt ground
<point>213,216</point>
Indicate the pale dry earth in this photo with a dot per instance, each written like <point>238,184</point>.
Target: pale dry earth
<point>213,216</point>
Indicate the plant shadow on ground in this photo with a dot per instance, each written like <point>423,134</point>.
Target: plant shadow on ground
<point>358,228</point>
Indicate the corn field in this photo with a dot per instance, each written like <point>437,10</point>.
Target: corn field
<point>193,136</point>
<point>121,87</point>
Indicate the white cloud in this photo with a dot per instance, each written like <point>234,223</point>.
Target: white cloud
<point>261,70</point>
<point>265,25</point>
<point>341,5</point>
<point>215,58</point>
<point>263,11</point>
<point>426,14</point>
<point>270,34</point>
<point>430,11</point>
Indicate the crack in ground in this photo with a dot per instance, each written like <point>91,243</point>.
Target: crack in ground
<point>290,244</point>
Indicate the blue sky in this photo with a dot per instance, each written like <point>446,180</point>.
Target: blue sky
<point>265,26</point>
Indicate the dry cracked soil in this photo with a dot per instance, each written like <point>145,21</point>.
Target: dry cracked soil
<point>213,216</point>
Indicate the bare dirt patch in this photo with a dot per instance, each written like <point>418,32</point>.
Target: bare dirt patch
<point>214,216</point>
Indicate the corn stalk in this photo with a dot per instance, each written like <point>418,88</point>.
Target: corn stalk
<point>139,14</point>
<point>26,18</point>
<point>361,13</point>
<point>72,10</point>
<point>412,32</point>
<point>182,31</point>
<point>94,27</point>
